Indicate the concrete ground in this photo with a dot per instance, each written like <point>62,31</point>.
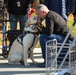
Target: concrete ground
<point>33,69</point>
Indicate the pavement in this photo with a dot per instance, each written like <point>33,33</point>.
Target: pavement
<point>33,69</point>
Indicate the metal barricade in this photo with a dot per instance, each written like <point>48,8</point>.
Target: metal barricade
<point>51,52</point>
<point>52,55</point>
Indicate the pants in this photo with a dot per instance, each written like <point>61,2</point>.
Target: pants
<point>13,25</point>
<point>43,38</point>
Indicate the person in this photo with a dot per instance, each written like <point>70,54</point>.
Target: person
<point>68,4</point>
<point>37,2</point>
<point>73,9</point>
<point>41,1</point>
<point>55,28</point>
<point>62,7</point>
<point>17,10</point>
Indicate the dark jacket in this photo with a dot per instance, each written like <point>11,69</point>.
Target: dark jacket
<point>56,5</point>
<point>14,9</point>
<point>55,24</point>
<point>68,7</point>
<point>73,7</point>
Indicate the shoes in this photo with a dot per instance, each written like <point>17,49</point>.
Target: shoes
<point>42,64</point>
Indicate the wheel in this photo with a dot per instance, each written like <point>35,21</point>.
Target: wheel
<point>4,53</point>
<point>67,74</point>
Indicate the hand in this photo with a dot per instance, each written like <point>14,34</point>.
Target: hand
<point>39,28</point>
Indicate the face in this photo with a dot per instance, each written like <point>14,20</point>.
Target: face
<point>40,14</point>
<point>31,20</point>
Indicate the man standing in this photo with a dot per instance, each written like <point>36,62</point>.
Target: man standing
<point>17,10</point>
<point>62,7</point>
